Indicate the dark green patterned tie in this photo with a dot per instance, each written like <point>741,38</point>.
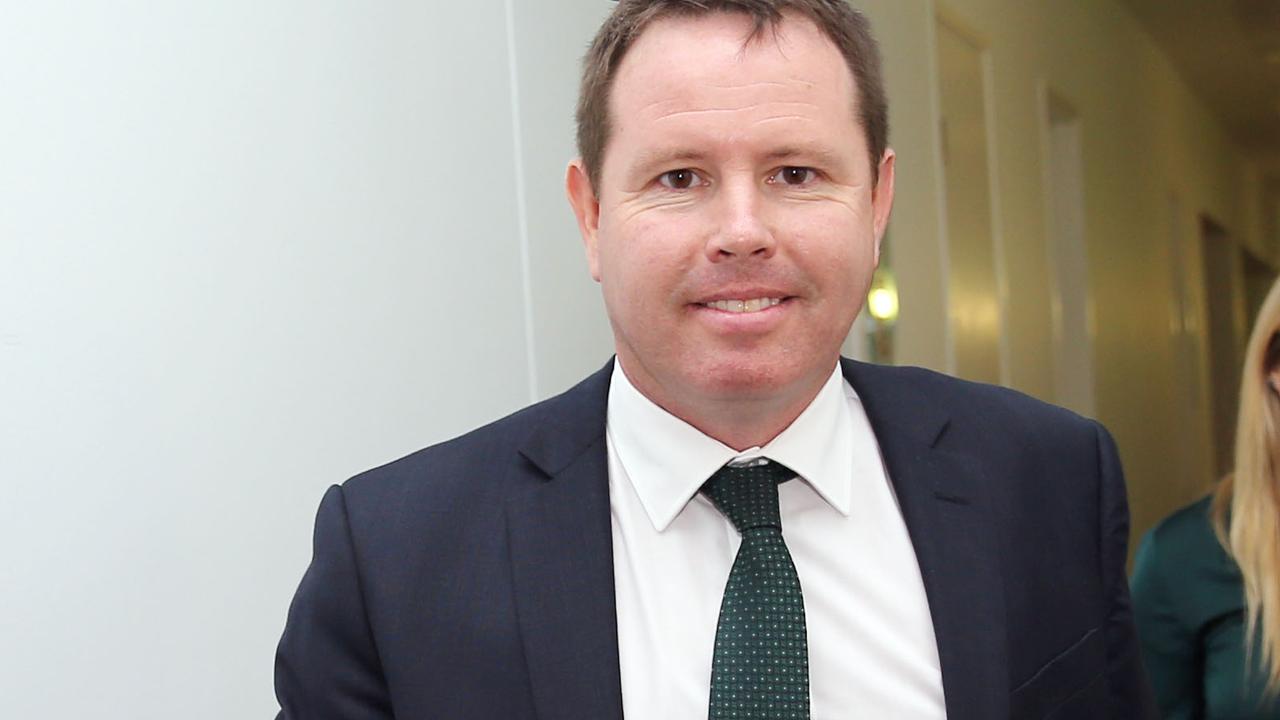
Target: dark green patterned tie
<point>761,663</point>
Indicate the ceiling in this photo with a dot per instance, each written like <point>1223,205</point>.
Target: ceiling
<point>1229,52</point>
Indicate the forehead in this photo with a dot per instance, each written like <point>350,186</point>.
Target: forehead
<point>686,65</point>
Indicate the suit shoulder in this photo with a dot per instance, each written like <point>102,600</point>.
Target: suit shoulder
<point>480,457</point>
<point>465,455</point>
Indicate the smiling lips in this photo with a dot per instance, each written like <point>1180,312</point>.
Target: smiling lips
<point>743,306</point>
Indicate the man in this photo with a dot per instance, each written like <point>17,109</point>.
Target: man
<point>730,521</point>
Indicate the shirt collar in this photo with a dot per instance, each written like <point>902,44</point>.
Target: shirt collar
<point>667,460</point>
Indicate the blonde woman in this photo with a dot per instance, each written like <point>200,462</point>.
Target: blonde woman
<point>1206,585</point>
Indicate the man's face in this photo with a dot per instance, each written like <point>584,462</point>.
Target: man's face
<point>735,225</point>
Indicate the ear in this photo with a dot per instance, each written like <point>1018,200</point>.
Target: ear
<point>882,198</point>
<point>587,209</point>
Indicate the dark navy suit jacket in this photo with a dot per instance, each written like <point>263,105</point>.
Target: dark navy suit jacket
<point>474,579</point>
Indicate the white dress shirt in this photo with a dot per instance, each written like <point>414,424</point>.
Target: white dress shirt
<point>872,652</point>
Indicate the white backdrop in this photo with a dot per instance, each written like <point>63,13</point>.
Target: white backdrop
<point>248,249</point>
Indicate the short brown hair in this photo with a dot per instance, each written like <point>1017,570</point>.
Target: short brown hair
<point>847,28</point>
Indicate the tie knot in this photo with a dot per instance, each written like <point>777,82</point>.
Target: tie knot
<point>748,495</point>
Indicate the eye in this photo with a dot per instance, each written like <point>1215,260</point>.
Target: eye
<point>681,179</point>
<point>793,175</point>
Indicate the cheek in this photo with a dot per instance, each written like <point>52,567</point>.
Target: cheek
<point>651,251</point>
<point>834,245</point>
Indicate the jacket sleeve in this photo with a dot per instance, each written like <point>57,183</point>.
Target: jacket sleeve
<point>1127,684</point>
<point>327,666</point>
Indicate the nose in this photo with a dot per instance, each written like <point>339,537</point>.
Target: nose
<point>741,231</point>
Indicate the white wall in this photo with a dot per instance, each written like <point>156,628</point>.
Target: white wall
<point>569,323</point>
<point>246,250</point>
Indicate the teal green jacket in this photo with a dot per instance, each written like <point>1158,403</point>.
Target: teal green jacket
<point>1188,601</point>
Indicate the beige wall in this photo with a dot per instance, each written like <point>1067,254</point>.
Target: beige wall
<point>914,246</point>
<point>1151,151</point>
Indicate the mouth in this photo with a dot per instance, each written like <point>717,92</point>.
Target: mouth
<point>752,305</point>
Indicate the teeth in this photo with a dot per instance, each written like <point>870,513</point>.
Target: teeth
<point>744,306</point>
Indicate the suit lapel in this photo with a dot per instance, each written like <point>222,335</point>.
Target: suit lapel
<point>560,539</point>
<point>941,496</point>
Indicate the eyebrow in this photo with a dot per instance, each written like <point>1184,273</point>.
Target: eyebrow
<point>823,155</point>
<point>651,159</point>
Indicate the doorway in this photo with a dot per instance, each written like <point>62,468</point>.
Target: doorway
<point>1070,304</point>
<point>973,292</point>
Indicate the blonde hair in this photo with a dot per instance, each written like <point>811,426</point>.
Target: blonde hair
<point>1246,504</point>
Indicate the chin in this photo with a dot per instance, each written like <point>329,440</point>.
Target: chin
<point>743,380</point>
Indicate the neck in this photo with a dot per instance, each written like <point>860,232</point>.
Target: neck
<point>741,426</point>
<point>740,421</point>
